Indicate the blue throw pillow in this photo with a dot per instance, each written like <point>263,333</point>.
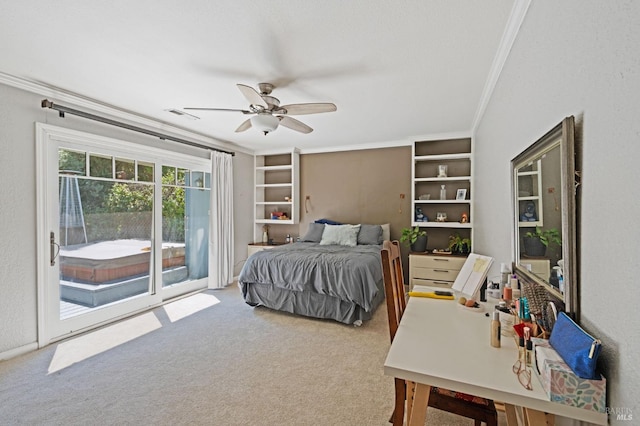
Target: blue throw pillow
<point>328,222</point>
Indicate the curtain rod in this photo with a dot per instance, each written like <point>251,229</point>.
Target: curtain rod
<point>66,110</point>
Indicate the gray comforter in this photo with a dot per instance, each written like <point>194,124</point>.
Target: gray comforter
<point>352,274</point>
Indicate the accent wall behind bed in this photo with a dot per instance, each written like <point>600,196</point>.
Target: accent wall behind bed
<point>361,186</point>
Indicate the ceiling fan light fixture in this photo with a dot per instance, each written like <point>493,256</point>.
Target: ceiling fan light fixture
<point>265,122</point>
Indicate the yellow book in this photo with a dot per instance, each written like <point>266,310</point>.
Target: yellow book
<point>429,294</point>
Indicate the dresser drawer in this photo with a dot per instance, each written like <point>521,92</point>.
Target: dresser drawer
<point>437,262</point>
<point>434,270</point>
<point>434,274</point>
<point>430,283</point>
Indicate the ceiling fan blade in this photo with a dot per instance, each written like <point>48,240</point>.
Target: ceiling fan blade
<point>244,111</point>
<point>246,124</point>
<point>294,124</point>
<point>312,108</point>
<point>252,95</point>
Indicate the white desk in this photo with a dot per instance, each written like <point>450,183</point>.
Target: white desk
<point>439,343</point>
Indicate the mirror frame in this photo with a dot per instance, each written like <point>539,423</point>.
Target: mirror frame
<point>563,135</point>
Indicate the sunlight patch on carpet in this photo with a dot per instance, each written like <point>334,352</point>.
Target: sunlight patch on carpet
<point>189,305</point>
<point>96,342</point>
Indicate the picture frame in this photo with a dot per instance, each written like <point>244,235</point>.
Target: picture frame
<point>461,194</point>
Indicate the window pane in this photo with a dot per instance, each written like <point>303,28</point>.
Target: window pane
<point>105,238</point>
<point>182,176</point>
<point>72,162</point>
<point>100,166</point>
<point>185,249</point>
<point>197,179</point>
<point>168,175</point>
<point>145,172</point>
<point>125,169</point>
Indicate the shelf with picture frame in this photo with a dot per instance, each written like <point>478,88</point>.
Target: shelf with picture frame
<point>438,163</point>
<point>276,189</point>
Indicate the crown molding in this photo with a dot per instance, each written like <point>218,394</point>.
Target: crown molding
<point>442,136</point>
<point>516,18</point>
<point>60,95</point>
<point>356,147</point>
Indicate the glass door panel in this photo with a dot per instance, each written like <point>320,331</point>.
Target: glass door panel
<point>185,229</point>
<point>118,232</point>
<point>105,242</point>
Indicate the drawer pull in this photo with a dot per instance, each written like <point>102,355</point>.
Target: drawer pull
<point>441,282</point>
<point>437,259</point>
<point>441,270</point>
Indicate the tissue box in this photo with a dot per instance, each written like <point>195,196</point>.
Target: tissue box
<point>562,385</point>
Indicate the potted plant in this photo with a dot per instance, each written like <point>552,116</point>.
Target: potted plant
<point>415,238</point>
<point>536,242</point>
<point>459,245</point>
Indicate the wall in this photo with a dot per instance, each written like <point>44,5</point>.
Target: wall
<point>577,58</point>
<point>357,187</point>
<point>19,110</point>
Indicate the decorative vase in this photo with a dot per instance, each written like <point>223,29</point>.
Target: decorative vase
<point>420,245</point>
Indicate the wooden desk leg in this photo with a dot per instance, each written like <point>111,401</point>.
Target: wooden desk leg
<point>535,417</point>
<point>420,401</point>
<point>411,389</point>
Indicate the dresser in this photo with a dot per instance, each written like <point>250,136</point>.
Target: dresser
<point>433,269</point>
<point>539,266</point>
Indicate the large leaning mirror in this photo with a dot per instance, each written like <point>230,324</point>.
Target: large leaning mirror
<point>543,185</point>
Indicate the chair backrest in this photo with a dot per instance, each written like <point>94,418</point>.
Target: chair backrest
<point>393,284</point>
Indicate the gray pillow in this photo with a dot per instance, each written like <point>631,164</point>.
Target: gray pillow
<point>314,233</point>
<point>342,235</point>
<point>370,234</point>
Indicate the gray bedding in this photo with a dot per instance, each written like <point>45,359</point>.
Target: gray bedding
<point>323,281</point>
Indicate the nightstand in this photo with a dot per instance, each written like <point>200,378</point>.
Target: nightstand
<point>252,248</point>
<point>439,270</point>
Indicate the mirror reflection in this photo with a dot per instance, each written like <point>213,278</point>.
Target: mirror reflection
<point>538,191</point>
<point>544,208</point>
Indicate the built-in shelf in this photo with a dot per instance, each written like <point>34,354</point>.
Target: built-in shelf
<point>529,182</point>
<point>276,189</point>
<point>428,179</point>
<point>446,179</point>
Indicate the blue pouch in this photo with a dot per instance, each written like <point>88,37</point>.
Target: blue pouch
<point>576,347</point>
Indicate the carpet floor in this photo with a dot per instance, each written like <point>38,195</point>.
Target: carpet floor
<point>209,359</point>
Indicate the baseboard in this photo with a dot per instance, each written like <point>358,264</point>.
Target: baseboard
<point>18,351</point>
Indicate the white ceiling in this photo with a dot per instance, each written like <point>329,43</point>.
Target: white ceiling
<point>395,69</point>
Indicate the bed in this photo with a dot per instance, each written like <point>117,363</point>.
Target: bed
<point>319,277</point>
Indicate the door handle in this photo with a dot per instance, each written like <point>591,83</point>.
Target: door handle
<point>54,248</point>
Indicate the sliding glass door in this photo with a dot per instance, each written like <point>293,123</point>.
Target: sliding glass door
<point>122,228</point>
<point>185,229</point>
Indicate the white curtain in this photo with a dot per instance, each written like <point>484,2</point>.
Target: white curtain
<point>221,217</point>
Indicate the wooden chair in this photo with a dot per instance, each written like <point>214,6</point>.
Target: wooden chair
<point>478,409</point>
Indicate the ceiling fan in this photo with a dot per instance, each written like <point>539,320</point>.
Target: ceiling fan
<point>268,113</point>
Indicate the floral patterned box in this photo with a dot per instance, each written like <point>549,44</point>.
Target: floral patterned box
<point>564,387</point>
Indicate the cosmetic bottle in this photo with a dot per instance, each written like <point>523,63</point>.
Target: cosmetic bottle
<point>495,329</point>
<point>505,275</point>
<point>507,295</point>
<point>529,353</point>
<point>514,282</point>
<point>521,350</point>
